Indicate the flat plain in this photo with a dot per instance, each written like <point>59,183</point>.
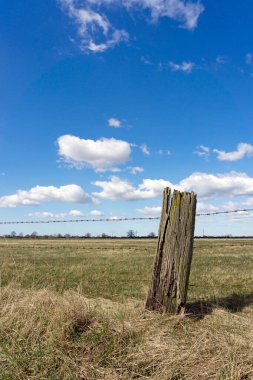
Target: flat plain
<point>74,309</point>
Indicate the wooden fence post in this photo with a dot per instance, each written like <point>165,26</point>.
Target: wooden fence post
<point>171,271</point>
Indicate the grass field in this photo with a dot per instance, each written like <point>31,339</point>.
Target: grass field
<point>74,309</point>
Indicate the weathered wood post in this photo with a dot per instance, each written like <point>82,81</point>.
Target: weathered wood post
<point>171,271</point>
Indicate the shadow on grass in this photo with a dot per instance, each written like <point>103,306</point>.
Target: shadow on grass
<point>233,303</point>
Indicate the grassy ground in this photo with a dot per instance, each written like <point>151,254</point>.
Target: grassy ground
<point>73,309</point>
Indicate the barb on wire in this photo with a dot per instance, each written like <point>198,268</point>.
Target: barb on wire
<point>116,219</point>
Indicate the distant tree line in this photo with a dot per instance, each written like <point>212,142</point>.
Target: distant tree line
<point>131,234</point>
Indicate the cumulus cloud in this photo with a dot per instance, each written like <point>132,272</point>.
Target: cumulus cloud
<point>150,210</point>
<point>205,185</point>
<point>185,67</point>
<point>243,150</point>
<point>76,213</point>
<point>96,213</point>
<point>97,34</point>
<point>113,122</point>
<point>101,154</point>
<point>117,188</point>
<point>230,184</point>
<point>39,194</point>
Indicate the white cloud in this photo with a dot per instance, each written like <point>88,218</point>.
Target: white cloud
<point>185,67</point>
<point>130,169</point>
<point>116,37</point>
<point>96,213</point>
<point>101,154</point>
<point>205,185</point>
<point>117,188</point>
<point>115,170</point>
<point>150,210</point>
<point>203,151</point>
<point>47,214</point>
<point>243,150</point>
<point>113,122</point>
<point>97,34</point>
<point>92,24</point>
<point>135,169</point>
<point>39,194</point>
<point>76,213</point>
<point>230,184</point>
<point>145,150</point>
<point>185,12</point>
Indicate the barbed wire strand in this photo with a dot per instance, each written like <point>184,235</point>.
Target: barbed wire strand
<point>77,220</point>
<point>224,212</point>
<point>116,219</point>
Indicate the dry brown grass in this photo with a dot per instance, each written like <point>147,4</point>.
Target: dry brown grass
<point>47,335</point>
<point>53,325</point>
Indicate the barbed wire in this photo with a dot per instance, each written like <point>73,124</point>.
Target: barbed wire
<point>224,212</point>
<point>213,213</point>
<point>78,220</point>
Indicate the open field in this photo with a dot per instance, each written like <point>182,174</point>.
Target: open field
<point>73,309</point>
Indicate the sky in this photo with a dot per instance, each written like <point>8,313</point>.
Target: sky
<point>103,103</point>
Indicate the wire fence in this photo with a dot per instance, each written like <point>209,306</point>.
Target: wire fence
<point>213,213</point>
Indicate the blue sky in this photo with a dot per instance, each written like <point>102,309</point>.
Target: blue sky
<point>103,103</point>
